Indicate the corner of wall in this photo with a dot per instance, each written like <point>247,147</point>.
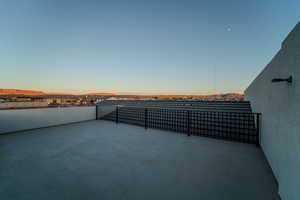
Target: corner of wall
<point>289,41</point>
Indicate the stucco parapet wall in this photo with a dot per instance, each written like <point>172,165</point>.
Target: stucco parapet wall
<point>291,48</point>
<point>292,40</point>
<point>279,105</point>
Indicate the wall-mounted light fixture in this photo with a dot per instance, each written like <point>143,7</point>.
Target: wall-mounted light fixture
<point>288,80</point>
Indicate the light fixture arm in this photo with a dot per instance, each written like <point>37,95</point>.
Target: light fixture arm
<point>289,80</point>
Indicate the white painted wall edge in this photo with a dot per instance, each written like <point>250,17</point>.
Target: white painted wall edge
<point>26,119</point>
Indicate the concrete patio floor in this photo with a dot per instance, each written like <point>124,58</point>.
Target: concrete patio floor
<point>103,160</point>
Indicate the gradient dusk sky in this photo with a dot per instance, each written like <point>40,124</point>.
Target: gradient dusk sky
<point>140,46</point>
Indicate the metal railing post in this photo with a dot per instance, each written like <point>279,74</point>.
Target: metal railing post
<point>96,112</point>
<point>257,129</point>
<point>117,114</point>
<point>188,123</point>
<point>146,118</point>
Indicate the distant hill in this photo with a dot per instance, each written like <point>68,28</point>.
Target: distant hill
<point>41,93</point>
<point>100,94</point>
<point>20,92</point>
<point>59,94</point>
<point>215,96</point>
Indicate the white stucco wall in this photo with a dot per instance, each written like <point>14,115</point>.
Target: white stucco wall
<point>24,119</point>
<point>279,104</point>
<point>37,104</point>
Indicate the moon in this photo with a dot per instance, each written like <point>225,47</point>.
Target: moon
<point>229,29</point>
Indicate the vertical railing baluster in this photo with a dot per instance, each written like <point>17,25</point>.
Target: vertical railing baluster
<point>257,129</point>
<point>188,123</point>
<point>96,112</point>
<point>146,118</point>
<point>117,114</point>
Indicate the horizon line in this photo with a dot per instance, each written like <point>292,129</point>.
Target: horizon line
<point>122,93</point>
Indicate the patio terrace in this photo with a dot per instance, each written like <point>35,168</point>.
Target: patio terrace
<point>103,160</point>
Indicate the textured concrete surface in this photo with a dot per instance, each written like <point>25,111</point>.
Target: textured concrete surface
<point>279,104</point>
<point>102,160</point>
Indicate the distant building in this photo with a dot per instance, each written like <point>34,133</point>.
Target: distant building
<point>60,100</point>
<point>23,99</point>
<point>121,98</point>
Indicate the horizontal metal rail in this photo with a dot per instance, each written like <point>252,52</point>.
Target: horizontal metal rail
<point>236,126</point>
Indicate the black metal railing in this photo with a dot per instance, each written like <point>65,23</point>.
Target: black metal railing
<point>236,126</point>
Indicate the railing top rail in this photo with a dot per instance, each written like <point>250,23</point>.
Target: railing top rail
<point>178,101</point>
